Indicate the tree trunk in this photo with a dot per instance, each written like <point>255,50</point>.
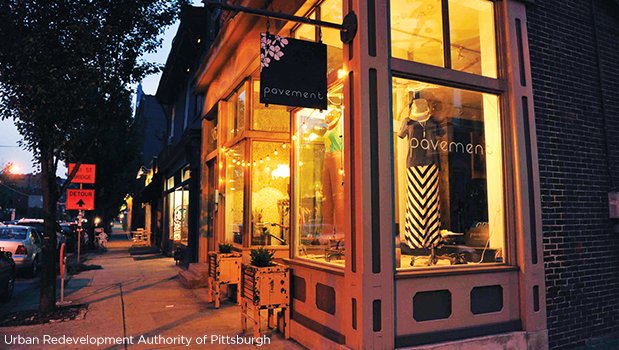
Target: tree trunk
<point>49,187</point>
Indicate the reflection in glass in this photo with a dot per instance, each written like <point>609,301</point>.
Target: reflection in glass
<point>447,176</point>
<point>235,184</point>
<point>417,31</point>
<point>270,172</point>
<point>319,182</point>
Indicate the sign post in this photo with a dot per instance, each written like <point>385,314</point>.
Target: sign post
<point>81,199</point>
<point>63,272</point>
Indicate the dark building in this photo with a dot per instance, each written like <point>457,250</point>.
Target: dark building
<point>178,168</point>
<point>151,123</point>
<point>574,50</point>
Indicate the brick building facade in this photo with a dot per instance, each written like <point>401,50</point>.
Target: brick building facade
<point>574,47</point>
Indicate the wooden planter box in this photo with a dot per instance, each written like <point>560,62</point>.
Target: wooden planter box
<point>265,288</point>
<point>223,269</point>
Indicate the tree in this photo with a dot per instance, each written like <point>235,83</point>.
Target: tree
<point>63,64</point>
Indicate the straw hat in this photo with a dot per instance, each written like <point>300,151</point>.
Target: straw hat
<point>419,108</point>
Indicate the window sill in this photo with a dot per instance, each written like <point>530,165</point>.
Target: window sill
<point>460,270</point>
<point>316,266</point>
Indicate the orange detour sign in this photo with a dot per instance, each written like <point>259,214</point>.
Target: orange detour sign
<point>85,173</point>
<point>80,199</point>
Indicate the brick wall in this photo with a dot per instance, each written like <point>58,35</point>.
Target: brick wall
<point>575,71</point>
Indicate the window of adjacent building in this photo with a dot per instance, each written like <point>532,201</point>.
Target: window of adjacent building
<point>234,193</point>
<point>448,178</point>
<point>270,183</point>
<point>455,34</point>
<point>178,207</point>
<point>318,143</point>
<point>185,173</point>
<point>271,118</point>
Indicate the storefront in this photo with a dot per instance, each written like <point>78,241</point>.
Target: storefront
<point>407,208</point>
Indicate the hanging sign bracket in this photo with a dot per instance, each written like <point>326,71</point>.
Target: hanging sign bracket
<point>348,28</point>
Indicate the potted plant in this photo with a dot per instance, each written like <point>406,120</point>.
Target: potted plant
<point>224,269</point>
<point>264,285</point>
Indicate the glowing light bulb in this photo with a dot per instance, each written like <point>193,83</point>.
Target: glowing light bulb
<point>341,172</point>
<point>304,126</point>
<point>341,73</point>
<point>268,158</point>
<point>294,137</point>
<point>275,153</point>
<point>284,145</point>
<point>261,161</point>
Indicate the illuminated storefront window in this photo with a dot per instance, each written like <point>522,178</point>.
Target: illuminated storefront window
<point>178,209</point>
<point>319,182</point>
<point>236,113</point>
<point>447,176</point>
<point>419,33</point>
<point>270,179</point>
<point>234,189</point>
<point>271,118</point>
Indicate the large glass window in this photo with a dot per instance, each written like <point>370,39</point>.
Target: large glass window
<point>178,207</point>
<point>235,199</point>
<point>236,113</point>
<point>271,118</point>
<point>448,179</point>
<point>270,179</point>
<point>319,181</point>
<point>419,33</point>
<point>329,11</point>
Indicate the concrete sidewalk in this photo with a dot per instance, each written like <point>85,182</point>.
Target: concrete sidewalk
<point>141,296</point>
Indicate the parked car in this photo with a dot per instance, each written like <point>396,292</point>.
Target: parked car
<point>25,244</point>
<point>39,225</point>
<point>7,275</point>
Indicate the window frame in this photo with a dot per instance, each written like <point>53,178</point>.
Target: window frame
<point>447,77</point>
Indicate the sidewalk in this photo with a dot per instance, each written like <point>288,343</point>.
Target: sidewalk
<point>141,296</point>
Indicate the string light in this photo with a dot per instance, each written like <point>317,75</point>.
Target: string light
<point>284,145</point>
<point>275,153</point>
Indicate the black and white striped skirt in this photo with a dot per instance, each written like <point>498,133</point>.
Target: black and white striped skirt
<point>423,223</point>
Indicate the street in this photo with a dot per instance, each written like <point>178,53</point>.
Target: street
<point>134,297</point>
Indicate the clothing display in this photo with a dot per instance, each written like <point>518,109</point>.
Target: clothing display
<point>423,224</point>
<point>333,138</point>
<point>332,177</point>
<point>422,217</point>
<point>422,138</point>
<point>333,194</point>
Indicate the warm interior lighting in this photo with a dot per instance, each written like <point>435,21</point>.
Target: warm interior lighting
<point>282,171</point>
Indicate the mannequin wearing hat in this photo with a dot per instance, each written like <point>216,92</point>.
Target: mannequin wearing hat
<point>332,177</point>
<point>422,219</point>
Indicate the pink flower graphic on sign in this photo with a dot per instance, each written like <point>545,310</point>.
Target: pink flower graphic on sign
<point>271,48</point>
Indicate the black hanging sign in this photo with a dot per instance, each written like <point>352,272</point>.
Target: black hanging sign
<point>293,72</point>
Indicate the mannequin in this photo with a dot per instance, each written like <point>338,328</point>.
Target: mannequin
<point>422,224</point>
<point>332,177</point>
